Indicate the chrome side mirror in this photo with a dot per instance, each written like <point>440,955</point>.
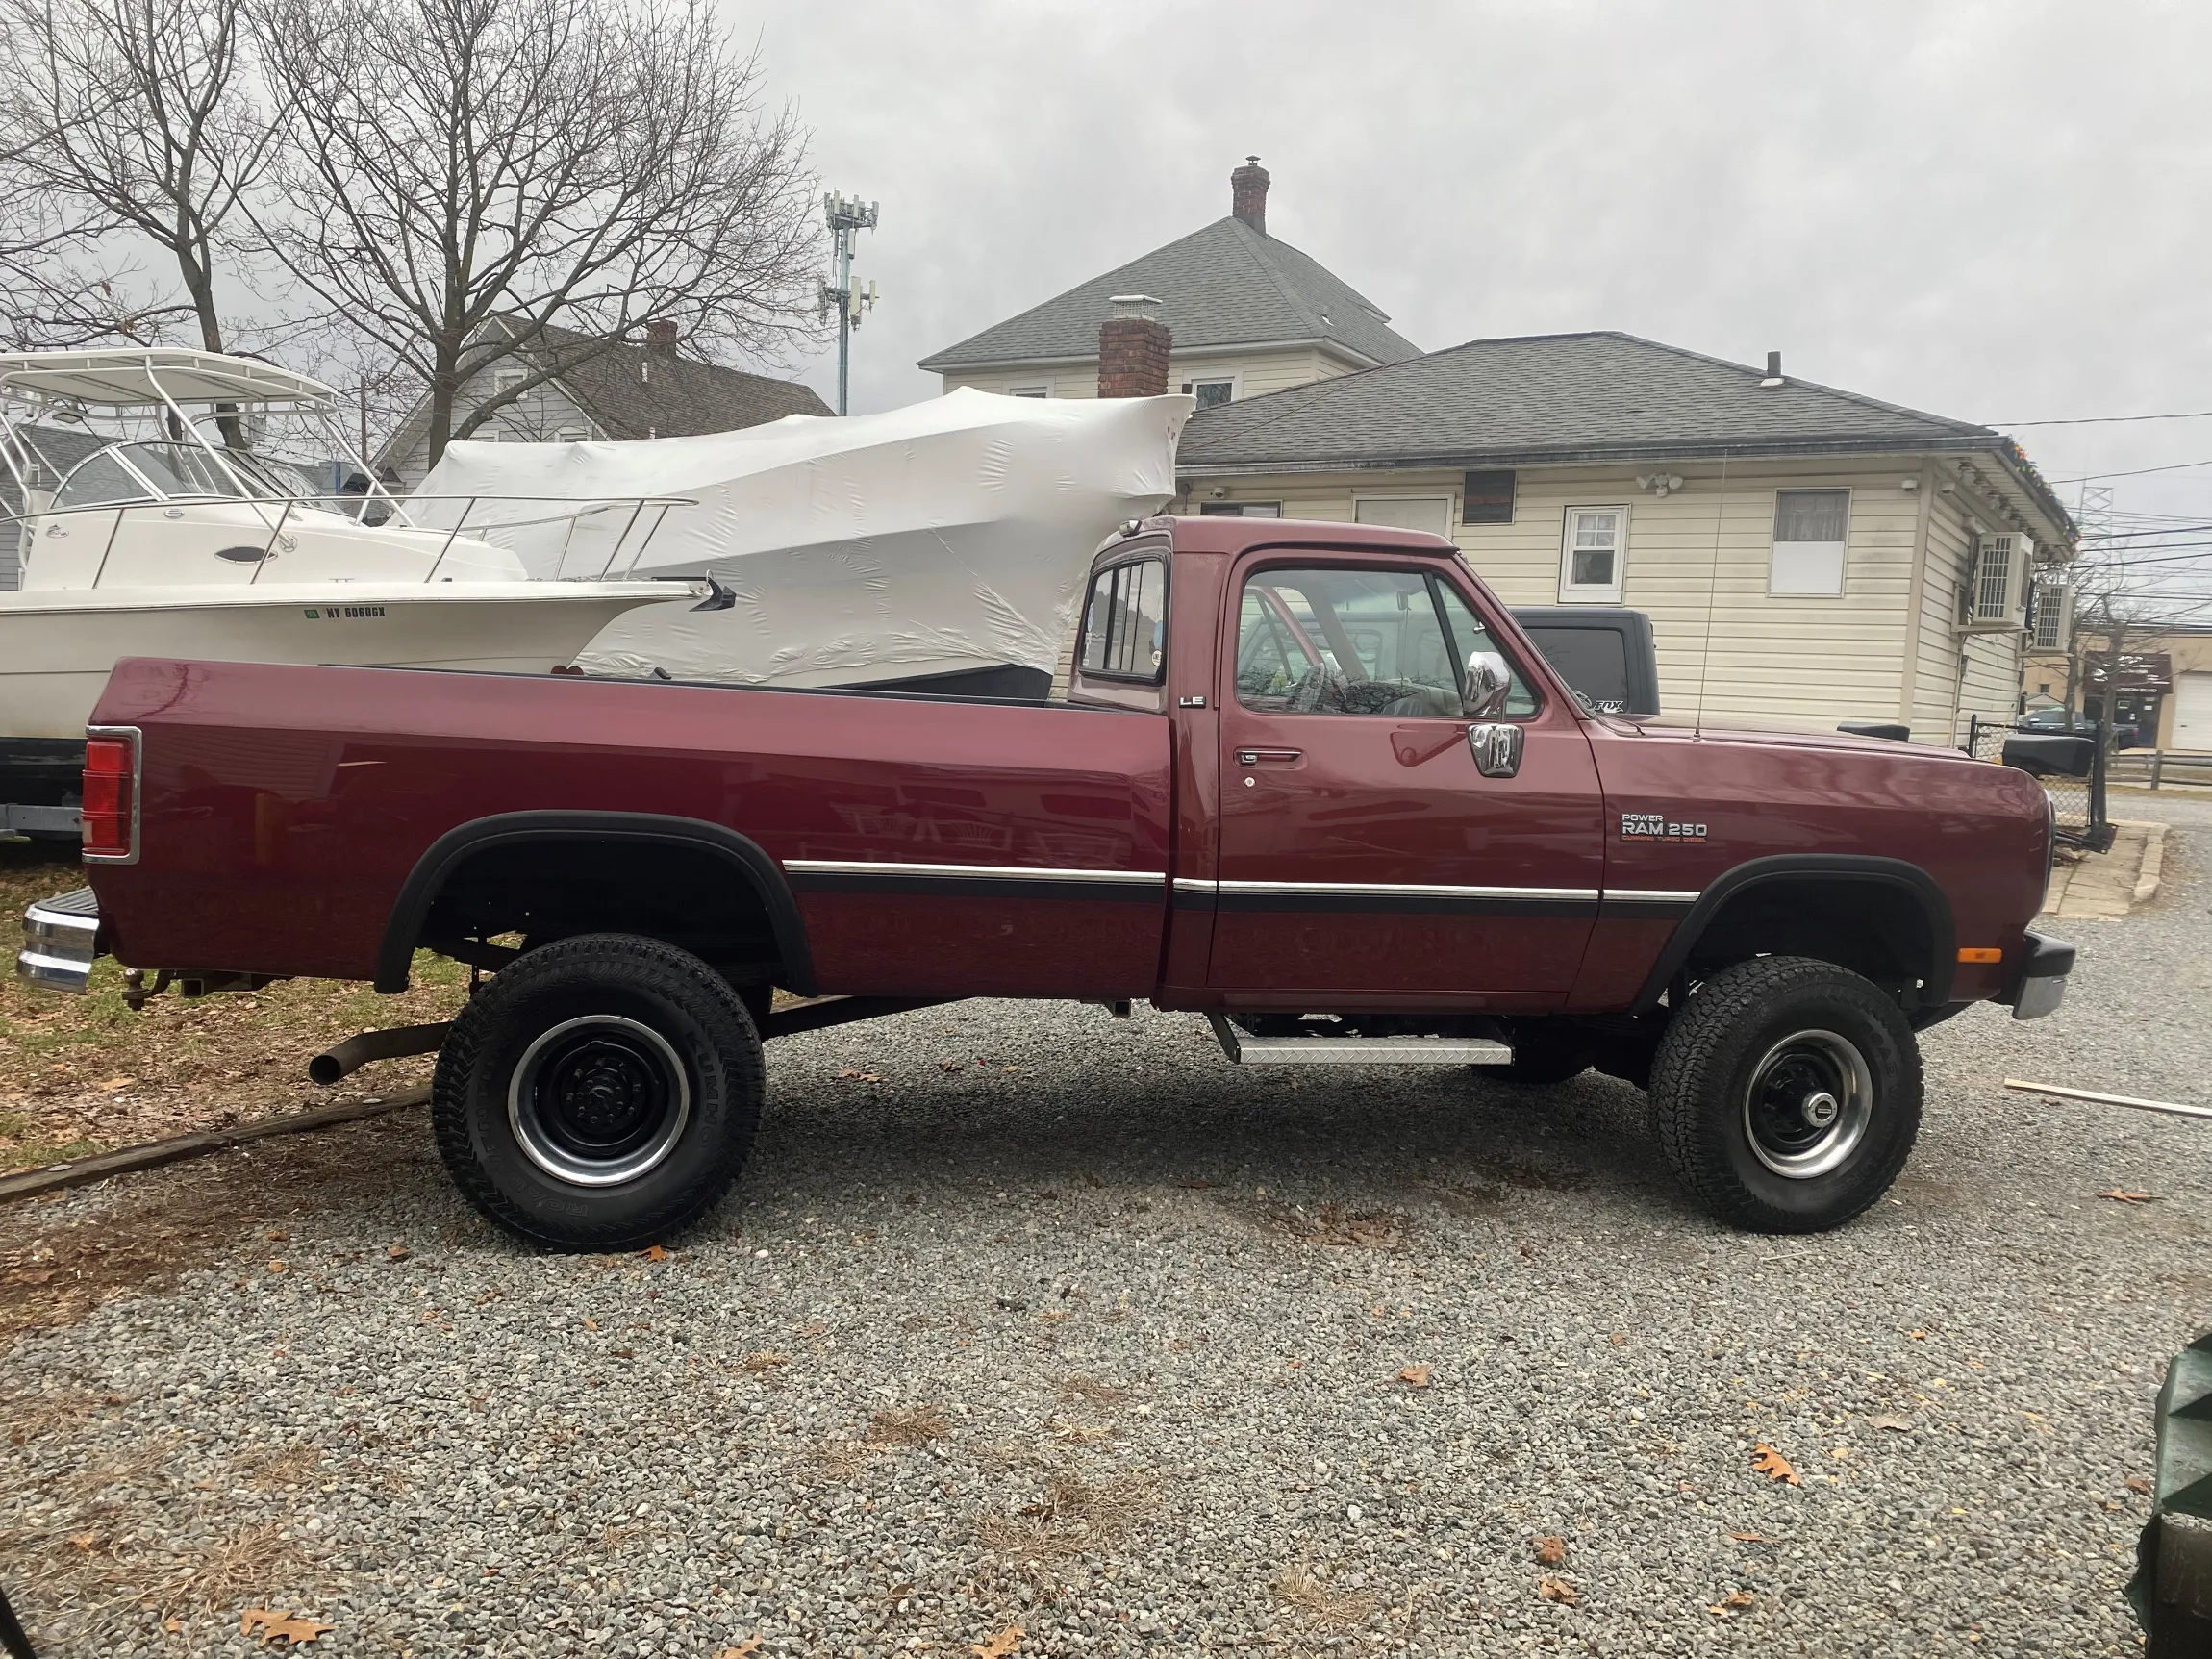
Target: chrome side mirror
<point>1489,683</point>
<point>1496,748</point>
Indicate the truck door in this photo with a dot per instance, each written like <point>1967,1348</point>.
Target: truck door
<point>1362,851</point>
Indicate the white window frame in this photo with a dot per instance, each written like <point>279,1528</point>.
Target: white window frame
<point>1188,381</point>
<point>1029,388</point>
<point>573,435</point>
<point>506,378</point>
<point>1843,548</point>
<point>1571,592</point>
<point>1447,499</point>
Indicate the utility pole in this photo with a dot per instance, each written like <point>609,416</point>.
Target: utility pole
<point>846,220</point>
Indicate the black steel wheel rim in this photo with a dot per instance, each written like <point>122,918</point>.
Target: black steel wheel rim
<point>598,1100</point>
<point>1808,1104</point>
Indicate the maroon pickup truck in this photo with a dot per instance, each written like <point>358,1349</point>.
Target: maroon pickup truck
<point>1310,781</point>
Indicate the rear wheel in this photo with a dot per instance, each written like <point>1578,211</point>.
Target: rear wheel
<point>1787,1095</point>
<point>599,1093</point>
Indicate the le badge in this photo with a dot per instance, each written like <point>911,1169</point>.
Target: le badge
<point>1657,827</point>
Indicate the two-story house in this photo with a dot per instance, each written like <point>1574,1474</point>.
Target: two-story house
<point>1807,556</point>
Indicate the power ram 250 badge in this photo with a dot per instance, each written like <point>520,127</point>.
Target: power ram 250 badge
<point>1658,826</point>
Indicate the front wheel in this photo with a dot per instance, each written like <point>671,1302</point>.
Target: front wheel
<point>599,1093</point>
<point>1787,1095</point>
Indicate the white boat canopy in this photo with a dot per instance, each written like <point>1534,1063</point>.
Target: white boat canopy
<point>949,535</point>
<point>151,377</point>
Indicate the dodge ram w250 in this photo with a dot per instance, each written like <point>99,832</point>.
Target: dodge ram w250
<point>1309,781</point>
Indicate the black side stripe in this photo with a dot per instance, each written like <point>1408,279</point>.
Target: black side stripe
<point>977,887</point>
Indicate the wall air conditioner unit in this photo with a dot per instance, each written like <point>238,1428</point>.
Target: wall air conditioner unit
<point>1995,603</point>
<point>2050,619</point>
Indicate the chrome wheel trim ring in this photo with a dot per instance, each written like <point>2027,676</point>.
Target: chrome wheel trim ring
<point>1835,1103</point>
<point>543,1150</point>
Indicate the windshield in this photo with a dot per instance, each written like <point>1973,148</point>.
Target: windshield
<point>99,479</point>
<point>185,469</point>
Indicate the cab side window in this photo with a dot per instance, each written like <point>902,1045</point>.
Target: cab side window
<point>1357,641</point>
<point>1125,623</point>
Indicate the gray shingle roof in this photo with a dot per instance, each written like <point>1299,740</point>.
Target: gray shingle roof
<point>682,398</point>
<point>1226,284</point>
<point>1553,397</point>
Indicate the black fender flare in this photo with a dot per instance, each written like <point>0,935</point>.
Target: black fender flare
<point>1926,892</point>
<point>761,873</point>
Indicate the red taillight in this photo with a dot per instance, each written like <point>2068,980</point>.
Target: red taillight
<point>110,787</point>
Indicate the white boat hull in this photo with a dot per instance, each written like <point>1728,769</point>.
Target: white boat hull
<point>57,647</point>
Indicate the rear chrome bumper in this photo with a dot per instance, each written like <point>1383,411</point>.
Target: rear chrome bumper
<point>2042,986</point>
<point>61,940</point>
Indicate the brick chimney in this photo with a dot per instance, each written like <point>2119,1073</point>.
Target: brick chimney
<point>1132,349</point>
<point>661,337</point>
<point>1248,194</point>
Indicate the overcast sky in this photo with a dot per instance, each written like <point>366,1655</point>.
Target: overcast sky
<point>1995,212</point>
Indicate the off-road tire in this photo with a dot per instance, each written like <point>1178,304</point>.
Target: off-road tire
<point>655,989</point>
<point>1702,1076</point>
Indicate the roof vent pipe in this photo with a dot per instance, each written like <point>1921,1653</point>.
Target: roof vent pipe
<point>1774,369</point>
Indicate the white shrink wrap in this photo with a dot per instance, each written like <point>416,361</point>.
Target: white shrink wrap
<point>949,535</point>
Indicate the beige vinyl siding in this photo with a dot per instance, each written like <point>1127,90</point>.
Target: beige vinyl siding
<point>1959,675</point>
<point>1800,663</point>
<point>1257,374</point>
<point>538,416</point>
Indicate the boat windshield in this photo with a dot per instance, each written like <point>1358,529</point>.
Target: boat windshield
<point>177,471</point>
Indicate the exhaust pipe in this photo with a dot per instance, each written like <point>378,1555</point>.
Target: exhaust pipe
<point>340,1059</point>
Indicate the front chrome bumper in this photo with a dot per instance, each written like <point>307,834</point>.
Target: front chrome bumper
<point>2042,984</point>
<point>61,940</point>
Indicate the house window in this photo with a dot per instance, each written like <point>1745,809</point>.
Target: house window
<point>1212,390</point>
<point>505,380</point>
<point>1810,529</point>
<point>571,435</point>
<point>1031,389</point>
<point>1486,499</point>
<point>1592,552</point>
<point>1124,624</point>
<point>1429,513</point>
<point>1240,509</point>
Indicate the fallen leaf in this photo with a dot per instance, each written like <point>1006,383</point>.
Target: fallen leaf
<point>288,1628</point>
<point>1414,1376</point>
<point>114,1083</point>
<point>1773,1464</point>
<point>1000,1644</point>
<point>1726,1607</point>
<point>1551,1551</point>
<point>1557,1590</point>
<point>745,1649</point>
<point>864,1076</point>
<point>397,1254</point>
<point>1619,1339</point>
<point>277,1236</point>
<point>1894,1425</point>
<point>2121,1194</point>
<point>2136,1483</point>
<point>1918,1336</point>
<point>277,1268</point>
<point>590,1325</point>
<point>951,1066</point>
<point>654,1253</point>
<point>84,1541</point>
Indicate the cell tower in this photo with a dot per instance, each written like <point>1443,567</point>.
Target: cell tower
<point>848,218</point>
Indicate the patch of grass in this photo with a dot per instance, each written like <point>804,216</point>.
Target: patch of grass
<point>1323,1608</point>
<point>84,1074</point>
<point>1073,1518</point>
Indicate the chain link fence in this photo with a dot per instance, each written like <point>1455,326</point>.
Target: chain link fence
<point>2077,803</point>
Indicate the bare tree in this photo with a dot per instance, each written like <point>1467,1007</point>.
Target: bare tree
<point>124,116</point>
<point>478,180</point>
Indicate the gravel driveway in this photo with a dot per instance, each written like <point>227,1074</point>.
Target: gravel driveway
<point>1027,1316</point>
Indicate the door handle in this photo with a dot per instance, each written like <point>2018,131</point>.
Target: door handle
<point>1253,757</point>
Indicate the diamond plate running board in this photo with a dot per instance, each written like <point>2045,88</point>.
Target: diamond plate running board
<point>1244,1049</point>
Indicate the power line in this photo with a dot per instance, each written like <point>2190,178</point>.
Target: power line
<point>2092,477</point>
<point>2106,419</point>
<point>2161,530</point>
